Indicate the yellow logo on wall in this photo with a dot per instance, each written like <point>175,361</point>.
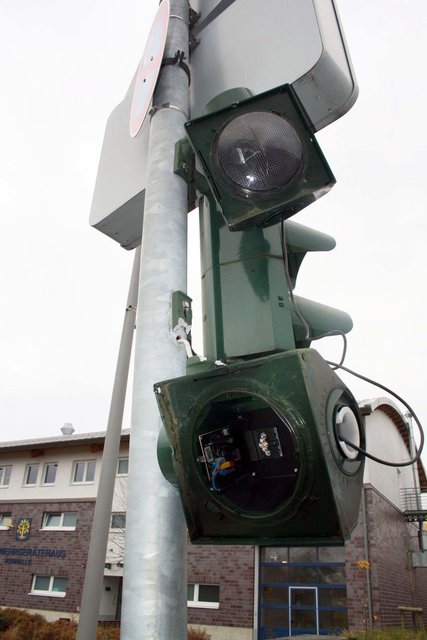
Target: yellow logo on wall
<point>23,529</point>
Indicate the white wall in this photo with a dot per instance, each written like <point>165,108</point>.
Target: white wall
<point>63,489</point>
<point>384,441</point>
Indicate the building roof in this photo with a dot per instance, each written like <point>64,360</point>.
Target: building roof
<point>76,439</point>
<point>387,406</point>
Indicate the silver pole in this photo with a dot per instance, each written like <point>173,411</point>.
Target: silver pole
<point>155,582</point>
<point>92,588</point>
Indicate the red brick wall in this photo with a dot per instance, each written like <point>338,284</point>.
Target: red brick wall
<point>16,579</point>
<point>393,580</point>
<point>232,567</point>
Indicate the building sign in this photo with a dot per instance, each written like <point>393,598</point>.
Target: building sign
<point>23,529</point>
<point>24,556</point>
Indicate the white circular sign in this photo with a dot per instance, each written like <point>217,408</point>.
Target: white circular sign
<point>149,68</point>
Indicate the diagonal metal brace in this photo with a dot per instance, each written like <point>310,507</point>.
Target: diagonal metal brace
<point>194,42</point>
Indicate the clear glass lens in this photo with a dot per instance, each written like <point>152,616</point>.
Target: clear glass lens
<point>259,151</point>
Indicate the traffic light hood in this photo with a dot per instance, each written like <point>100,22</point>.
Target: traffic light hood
<point>260,158</point>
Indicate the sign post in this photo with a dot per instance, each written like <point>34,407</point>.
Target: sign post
<point>154,582</point>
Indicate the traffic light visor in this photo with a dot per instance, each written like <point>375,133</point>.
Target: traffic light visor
<point>260,158</point>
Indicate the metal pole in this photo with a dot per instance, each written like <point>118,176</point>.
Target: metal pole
<point>368,570</point>
<point>92,588</point>
<point>155,582</point>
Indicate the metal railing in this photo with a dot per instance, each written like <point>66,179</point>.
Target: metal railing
<point>413,500</point>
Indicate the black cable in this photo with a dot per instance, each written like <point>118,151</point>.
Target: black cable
<point>387,390</point>
<point>334,365</point>
<point>344,350</point>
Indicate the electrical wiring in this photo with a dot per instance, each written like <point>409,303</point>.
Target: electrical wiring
<point>400,399</point>
<point>214,472</point>
<point>339,365</point>
<point>344,350</point>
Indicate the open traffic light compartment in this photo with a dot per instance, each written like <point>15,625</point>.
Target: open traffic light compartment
<point>257,451</point>
<point>248,452</point>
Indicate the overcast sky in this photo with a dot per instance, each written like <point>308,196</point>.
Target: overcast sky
<point>64,66</point>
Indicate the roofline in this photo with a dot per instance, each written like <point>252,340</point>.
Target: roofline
<point>95,437</point>
<point>391,409</point>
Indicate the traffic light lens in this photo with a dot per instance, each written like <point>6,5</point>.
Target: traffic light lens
<point>259,152</point>
<point>348,430</point>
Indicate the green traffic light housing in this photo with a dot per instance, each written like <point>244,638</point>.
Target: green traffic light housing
<point>260,158</point>
<point>247,280</point>
<point>258,451</point>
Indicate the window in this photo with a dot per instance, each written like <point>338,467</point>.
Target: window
<point>84,472</point>
<point>49,473</point>
<point>5,518</point>
<point>49,586</point>
<point>203,595</point>
<point>118,521</point>
<point>123,466</point>
<point>56,520</point>
<point>31,473</point>
<point>5,473</point>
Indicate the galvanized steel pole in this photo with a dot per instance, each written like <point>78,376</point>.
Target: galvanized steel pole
<point>155,585</point>
<point>92,588</point>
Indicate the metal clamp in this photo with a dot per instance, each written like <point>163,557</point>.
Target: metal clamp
<point>178,18</point>
<point>179,60</point>
<point>167,105</point>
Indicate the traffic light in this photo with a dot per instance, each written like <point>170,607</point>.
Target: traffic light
<point>260,157</point>
<point>258,454</point>
<point>257,438</point>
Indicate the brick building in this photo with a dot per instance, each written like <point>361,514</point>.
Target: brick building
<point>48,489</point>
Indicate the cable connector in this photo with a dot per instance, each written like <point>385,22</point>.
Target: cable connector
<point>181,332</point>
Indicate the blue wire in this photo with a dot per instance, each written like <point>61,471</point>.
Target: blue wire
<point>214,472</point>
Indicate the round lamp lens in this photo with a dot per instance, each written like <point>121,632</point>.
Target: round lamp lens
<point>259,152</point>
<point>347,429</point>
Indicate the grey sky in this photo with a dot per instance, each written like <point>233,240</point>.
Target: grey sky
<point>64,67</point>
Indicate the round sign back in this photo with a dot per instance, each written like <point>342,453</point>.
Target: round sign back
<point>149,68</point>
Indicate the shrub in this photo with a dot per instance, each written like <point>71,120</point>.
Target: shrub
<point>108,632</point>
<point>16,624</point>
<point>21,625</point>
<point>387,634</point>
<point>198,634</point>
<point>60,629</point>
